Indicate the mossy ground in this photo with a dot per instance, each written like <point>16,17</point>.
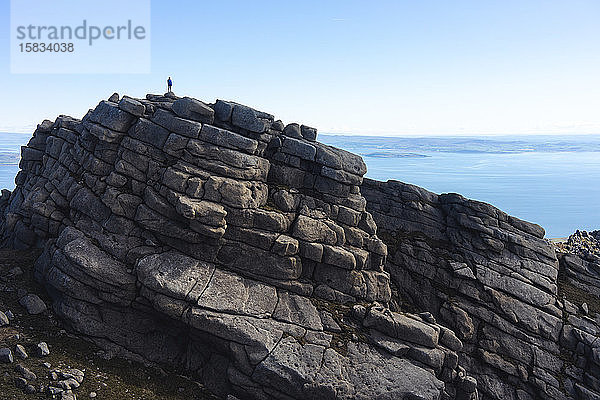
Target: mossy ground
<point>577,295</point>
<point>110,379</point>
<point>342,315</point>
<point>571,292</point>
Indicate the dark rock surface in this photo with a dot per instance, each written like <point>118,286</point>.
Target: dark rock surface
<point>33,304</point>
<point>214,239</point>
<point>202,237</point>
<point>580,260</point>
<point>35,377</point>
<point>493,279</point>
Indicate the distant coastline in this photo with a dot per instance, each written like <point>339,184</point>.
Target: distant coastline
<point>9,158</point>
<point>468,144</point>
<point>384,154</point>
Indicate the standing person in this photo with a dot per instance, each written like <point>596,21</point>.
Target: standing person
<point>169,84</point>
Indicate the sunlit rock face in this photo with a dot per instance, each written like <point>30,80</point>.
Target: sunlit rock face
<point>216,240</point>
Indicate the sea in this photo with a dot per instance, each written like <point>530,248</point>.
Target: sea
<point>553,181</point>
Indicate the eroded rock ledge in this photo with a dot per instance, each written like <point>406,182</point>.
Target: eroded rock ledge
<point>217,240</point>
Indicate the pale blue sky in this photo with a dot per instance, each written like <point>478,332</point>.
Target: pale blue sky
<point>372,67</point>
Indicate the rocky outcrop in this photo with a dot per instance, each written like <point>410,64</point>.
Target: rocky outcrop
<point>214,239</point>
<point>493,279</point>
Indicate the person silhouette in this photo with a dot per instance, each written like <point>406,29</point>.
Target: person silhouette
<point>169,84</point>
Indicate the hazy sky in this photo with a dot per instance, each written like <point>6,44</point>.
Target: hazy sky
<point>374,67</point>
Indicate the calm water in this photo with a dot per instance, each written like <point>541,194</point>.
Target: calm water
<point>552,181</point>
<point>10,151</point>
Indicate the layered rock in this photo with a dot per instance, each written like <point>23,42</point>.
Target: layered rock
<point>579,286</point>
<point>212,238</point>
<point>579,257</point>
<point>493,279</point>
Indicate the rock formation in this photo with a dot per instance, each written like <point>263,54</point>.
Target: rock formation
<point>216,240</point>
<point>493,279</point>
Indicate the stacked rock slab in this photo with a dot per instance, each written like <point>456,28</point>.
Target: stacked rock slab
<point>492,278</point>
<point>214,239</point>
